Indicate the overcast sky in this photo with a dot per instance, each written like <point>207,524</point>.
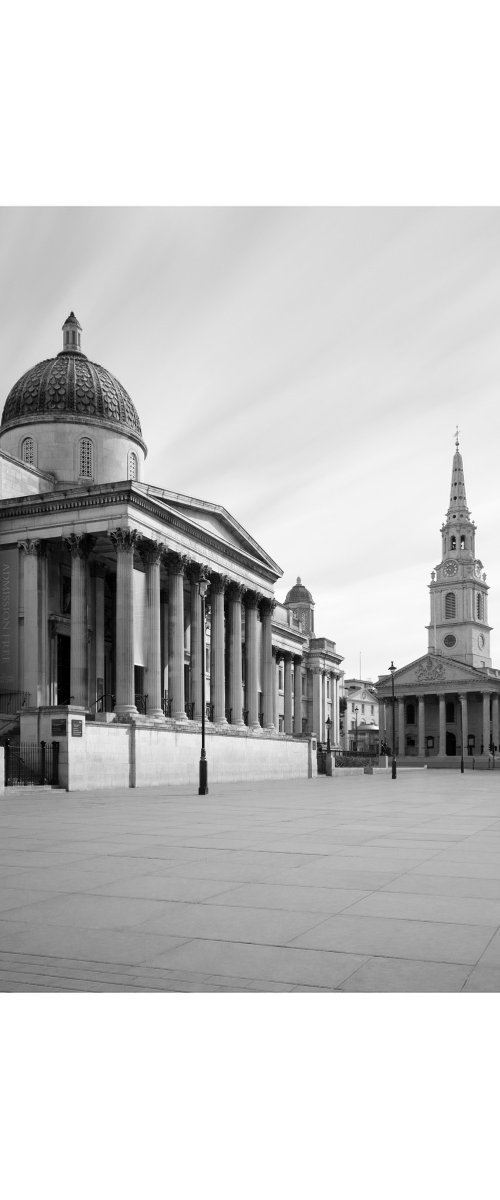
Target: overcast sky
<point>306,368</point>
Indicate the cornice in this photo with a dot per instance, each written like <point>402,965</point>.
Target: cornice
<point>109,496</point>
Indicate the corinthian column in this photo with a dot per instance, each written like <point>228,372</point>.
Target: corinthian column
<point>288,693</point>
<point>297,696</point>
<point>486,722</point>
<point>177,564</point>
<point>79,546</point>
<point>151,553</point>
<point>125,540</point>
<point>218,585</point>
<point>31,682</point>
<point>235,594</point>
<point>267,608</point>
<point>195,574</point>
<point>252,662</point>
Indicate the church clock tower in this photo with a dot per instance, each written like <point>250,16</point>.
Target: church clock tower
<point>459,593</point>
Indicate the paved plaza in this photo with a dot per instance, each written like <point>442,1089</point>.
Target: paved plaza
<point>359,884</point>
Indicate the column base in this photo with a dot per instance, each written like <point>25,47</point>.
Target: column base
<point>222,722</point>
<point>156,714</point>
<point>270,728</point>
<point>179,716</point>
<point>125,712</point>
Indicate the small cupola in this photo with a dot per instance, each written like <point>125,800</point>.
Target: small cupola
<point>72,335</point>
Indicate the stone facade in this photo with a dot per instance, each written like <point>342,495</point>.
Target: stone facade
<point>100,577</point>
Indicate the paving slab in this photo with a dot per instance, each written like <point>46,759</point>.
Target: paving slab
<point>338,885</point>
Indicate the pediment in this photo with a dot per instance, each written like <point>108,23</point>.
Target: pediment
<point>431,669</point>
<point>214,520</point>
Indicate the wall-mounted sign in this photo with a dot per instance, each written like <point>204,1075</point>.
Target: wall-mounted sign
<point>77,729</point>
<point>58,728</point>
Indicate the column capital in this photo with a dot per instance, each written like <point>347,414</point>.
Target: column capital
<point>79,544</point>
<point>252,598</point>
<point>30,546</point>
<point>267,606</point>
<point>197,571</point>
<point>235,591</point>
<point>177,564</point>
<point>150,551</point>
<point>124,540</point>
<point>218,583</point>
<point>297,660</point>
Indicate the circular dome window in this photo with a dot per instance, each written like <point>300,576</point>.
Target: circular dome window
<point>450,640</point>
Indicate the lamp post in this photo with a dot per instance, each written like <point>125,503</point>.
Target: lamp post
<point>203,788</point>
<point>461,736</point>
<point>392,669</point>
<point>328,724</point>
<point>356,710</point>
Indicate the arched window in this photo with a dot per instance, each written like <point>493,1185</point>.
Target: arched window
<point>453,543</point>
<point>479,606</point>
<point>86,458</point>
<point>133,471</point>
<point>450,606</point>
<point>462,541</point>
<point>28,451</point>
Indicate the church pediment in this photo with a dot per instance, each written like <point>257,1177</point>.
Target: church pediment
<point>431,669</point>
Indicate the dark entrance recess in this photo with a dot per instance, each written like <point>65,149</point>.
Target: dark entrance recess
<point>63,669</point>
<point>451,743</point>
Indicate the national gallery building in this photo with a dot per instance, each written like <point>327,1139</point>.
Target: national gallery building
<point>447,702</point>
<point>102,582</point>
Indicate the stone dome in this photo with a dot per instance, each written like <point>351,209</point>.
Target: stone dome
<point>70,385</point>
<point>299,594</point>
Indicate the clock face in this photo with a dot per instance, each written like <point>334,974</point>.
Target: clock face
<point>450,567</point>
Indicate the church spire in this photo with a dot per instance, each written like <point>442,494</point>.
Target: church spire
<point>458,500</point>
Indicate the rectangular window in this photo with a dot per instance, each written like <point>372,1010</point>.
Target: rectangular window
<point>280,678</point>
<point>362,708</point>
<point>303,685</point>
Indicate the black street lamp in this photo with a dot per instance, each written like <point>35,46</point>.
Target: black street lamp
<point>356,710</point>
<point>461,736</point>
<point>392,669</point>
<point>203,788</point>
<point>328,724</point>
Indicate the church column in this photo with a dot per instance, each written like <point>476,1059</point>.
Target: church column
<point>217,664</point>
<point>79,546</point>
<point>288,693</point>
<point>267,608</point>
<point>151,553</point>
<point>442,723</point>
<point>31,549</point>
<point>297,696</point>
<point>401,726</point>
<point>486,722</point>
<point>465,723</point>
<point>176,564</point>
<point>124,541</point>
<point>235,594</point>
<point>421,726</point>
<point>252,662</point>
<point>495,730</point>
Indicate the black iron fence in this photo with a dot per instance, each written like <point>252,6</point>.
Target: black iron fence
<point>11,702</point>
<point>31,763</point>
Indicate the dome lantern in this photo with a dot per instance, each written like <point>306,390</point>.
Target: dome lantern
<point>72,335</point>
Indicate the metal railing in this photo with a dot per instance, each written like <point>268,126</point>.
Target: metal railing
<point>11,702</point>
<point>31,763</point>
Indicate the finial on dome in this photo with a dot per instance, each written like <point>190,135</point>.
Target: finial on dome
<point>456,437</point>
<point>72,334</point>
<point>299,579</point>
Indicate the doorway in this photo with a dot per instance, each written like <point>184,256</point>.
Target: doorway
<point>451,743</point>
<point>63,669</point>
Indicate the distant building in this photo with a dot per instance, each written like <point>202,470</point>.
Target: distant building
<point>447,701</point>
<point>360,717</point>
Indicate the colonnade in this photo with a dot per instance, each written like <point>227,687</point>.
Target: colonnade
<point>243,607</point>
<point>489,725</point>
